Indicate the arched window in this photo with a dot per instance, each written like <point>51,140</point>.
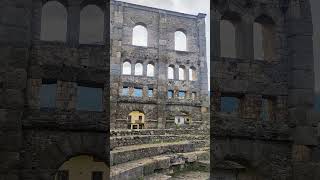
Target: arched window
<point>192,74</point>
<point>91,25</point>
<point>53,22</point>
<point>182,73</point>
<point>138,69</point>
<point>82,167</point>
<point>171,72</point>
<point>180,41</point>
<point>140,36</point>
<point>126,68</point>
<point>150,70</point>
<point>264,38</point>
<point>227,39</point>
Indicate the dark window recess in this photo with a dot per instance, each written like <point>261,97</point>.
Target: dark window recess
<point>182,94</point>
<point>47,94</point>
<point>170,94</point>
<point>97,175</point>
<point>230,104</point>
<point>89,98</point>
<point>125,91</point>
<point>140,118</point>
<point>150,92</point>
<point>137,92</point>
<point>62,175</point>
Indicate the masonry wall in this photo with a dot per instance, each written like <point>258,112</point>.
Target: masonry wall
<point>161,26</point>
<point>281,147</point>
<point>34,142</point>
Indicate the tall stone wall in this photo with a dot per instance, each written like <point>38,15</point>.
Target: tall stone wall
<point>35,142</point>
<point>161,26</point>
<point>284,147</point>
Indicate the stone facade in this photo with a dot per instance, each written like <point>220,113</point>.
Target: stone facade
<point>243,145</point>
<point>161,26</point>
<point>34,143</point>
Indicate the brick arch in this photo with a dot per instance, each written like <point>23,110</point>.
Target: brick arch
<point>98,3</point>
<point>63,2</point>
<point>70,146</point>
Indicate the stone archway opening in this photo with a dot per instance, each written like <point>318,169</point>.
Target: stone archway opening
<point>82,167</point>
<point>182,119</point>
<point>136,120</point>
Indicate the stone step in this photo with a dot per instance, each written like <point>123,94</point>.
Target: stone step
<point>129,153</point>
<point>157,176</point>
<point>129,132</point>
<point>138,169</point>
<point>119,141</point>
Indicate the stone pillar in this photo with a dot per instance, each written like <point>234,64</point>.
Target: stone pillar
<point>215,49</point>
<point>244,39</point>
<point>15,23</point>
<point>162,74</point>
<point>301,87</point>
<point>36,19</point>
<point>73,27</point>
<point>115,58</point>
<point>176,72</point>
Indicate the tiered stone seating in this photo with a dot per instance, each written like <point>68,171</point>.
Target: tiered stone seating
<point>138,153</point>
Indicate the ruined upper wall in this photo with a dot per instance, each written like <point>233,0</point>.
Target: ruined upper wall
<point>161,25</point>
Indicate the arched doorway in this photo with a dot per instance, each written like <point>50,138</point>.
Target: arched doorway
<point>182,119</point>
<point>82,167</point>
<point>136,120</point>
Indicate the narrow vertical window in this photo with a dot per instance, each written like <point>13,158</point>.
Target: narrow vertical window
<point>170,94</point>
<point>182,73</point>
<point>126,68</point>
<point>150,70</point>
<point>193,96</point>
<point>47,94</point>
<point>138,69</point>
<point>171,72</point>
<point>150,92</point>
<point>192,74</point>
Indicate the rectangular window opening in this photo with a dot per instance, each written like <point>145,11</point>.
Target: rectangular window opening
<point>125,91</point>
<point>230,104</point>
<point>182,94</point>
<point>170,94</point>
<point>47,94</point>
<point>150,92</point>
<point>89,98</point>
<point>138,92</point>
